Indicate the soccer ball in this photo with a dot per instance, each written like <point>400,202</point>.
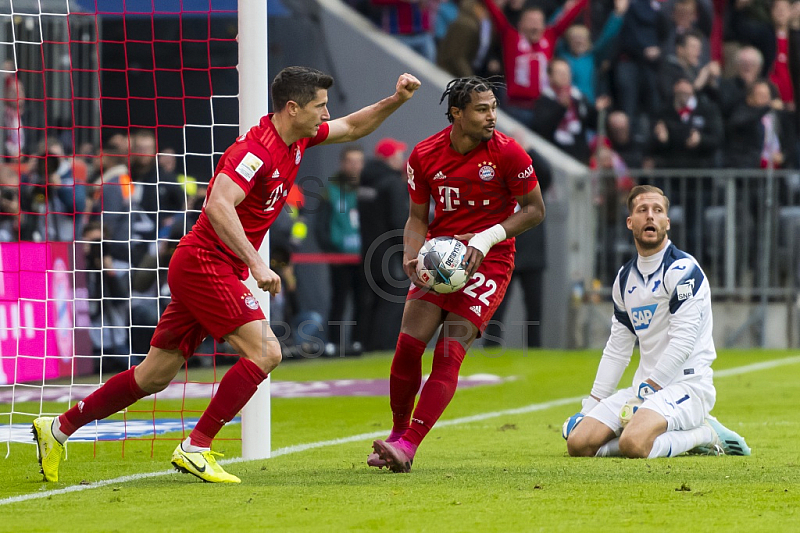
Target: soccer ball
<point>628,410</point>
<point>439,265</point>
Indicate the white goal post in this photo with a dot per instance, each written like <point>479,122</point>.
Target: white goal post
<point>253,104</point>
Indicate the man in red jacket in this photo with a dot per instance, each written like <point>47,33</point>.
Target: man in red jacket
<point>526,51</point>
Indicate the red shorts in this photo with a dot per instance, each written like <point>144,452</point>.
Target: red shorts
<point>479,298</point>
<point>208,298</point>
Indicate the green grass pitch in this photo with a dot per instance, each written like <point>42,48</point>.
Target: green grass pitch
<point>506,472</point>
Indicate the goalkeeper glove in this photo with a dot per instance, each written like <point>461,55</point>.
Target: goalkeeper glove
<point>570,424</point>
<point>645,390</point>
<point>587,405</point>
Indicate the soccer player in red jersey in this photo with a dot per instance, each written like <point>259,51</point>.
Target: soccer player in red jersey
<point>486,192</point>
<point>248,190</point>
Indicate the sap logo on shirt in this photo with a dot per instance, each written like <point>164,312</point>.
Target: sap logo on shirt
<point>685,290</point>
<point>642,316</point>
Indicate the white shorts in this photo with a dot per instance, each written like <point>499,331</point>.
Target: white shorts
<point>684,405</point>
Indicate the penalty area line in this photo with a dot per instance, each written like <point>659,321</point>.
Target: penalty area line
<point>298,448</point>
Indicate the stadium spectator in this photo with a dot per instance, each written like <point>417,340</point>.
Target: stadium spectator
<point>12,105</point>
<point>466,47</point>
<point>608,162</point>
<point>527,48</point>
<point>446,14</point>
<point>583,57</point>
<point>776,37</point>
<point>412,23</point>
<point>621,140</point>
<point>513,9</point>
<point>687,133</point>
<point>729,93</point>
<point>9,203</point>
<point>760,132</point>
<point>113,202</point>
<point>156,191</point>
<point>52,203</point>
<point>666,410</point>
<point>635,75</point>
<point>338,231</point>
<point>688,16</point>
<point>383,208</point>
<point>562,115</point>
<point>685,63</point>
<point>477,177</point>
<point>248,190</point>
<point>781,74</point>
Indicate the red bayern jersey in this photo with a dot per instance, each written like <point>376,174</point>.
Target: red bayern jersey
<point>473,191</point>
<point>265,168</point>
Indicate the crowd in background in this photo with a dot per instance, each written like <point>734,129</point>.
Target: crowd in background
<point>617,84</point>
<point>125,207</point>
<point>626,84</point>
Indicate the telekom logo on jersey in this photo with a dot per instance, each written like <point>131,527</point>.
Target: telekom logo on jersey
<point>451,198</point>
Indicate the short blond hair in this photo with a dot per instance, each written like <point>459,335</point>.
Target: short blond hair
<point>644,189</point>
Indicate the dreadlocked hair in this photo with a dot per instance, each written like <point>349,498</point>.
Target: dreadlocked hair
<point>459,91</point>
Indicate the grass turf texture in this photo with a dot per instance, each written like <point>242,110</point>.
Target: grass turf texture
<point>508,473</point>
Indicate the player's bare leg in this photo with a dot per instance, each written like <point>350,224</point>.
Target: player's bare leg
<point>588,437</point>
<point>122,390</point>
<point>638,436</point>
<point>158,369</point>
<point>260,353</point>
<point>456,337</point>
<point>421,320</point>
<point>646,436</point>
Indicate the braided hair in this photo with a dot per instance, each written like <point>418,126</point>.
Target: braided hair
<point>459,91</point>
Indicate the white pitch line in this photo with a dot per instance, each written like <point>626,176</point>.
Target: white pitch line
<point>297,448</point>
<point>756,366</point>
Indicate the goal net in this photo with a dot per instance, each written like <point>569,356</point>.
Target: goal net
<point>113,116</point>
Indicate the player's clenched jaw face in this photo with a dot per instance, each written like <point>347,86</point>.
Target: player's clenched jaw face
<point>477,120</point>
<point>649,221</point>
<point>308,118</point>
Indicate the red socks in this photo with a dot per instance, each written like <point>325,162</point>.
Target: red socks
<point>117,393</point>
<point>438,390</point>
<point>404,380</point>
<point>236,388</point>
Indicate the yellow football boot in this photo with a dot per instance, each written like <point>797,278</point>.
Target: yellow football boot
<point>202,465</point>
<point>49,450</point>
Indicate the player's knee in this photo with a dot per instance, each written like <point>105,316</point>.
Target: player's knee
<point>268,357</point>
<point>579,447</point>
<point>632,447</point>
<point>152,382</point>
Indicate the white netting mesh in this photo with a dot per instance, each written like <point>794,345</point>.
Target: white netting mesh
<point>113,117</point>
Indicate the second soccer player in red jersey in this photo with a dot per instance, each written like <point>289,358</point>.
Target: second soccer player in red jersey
<point>486,192</point>
<point>248,190</point>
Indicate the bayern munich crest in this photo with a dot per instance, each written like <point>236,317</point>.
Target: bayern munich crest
<point>486,172</point>
<point>250,301</point>
<point>297,155</point>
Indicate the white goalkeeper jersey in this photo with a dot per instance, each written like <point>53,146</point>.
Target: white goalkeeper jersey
<point>664,302</point>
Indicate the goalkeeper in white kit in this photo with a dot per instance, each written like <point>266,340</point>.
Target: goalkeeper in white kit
<point>662,298</point>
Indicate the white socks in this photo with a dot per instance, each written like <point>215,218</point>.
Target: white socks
<point>609,449</point>
<point>674,443</point>
<point>188,447</point>
<point>57,433</point>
